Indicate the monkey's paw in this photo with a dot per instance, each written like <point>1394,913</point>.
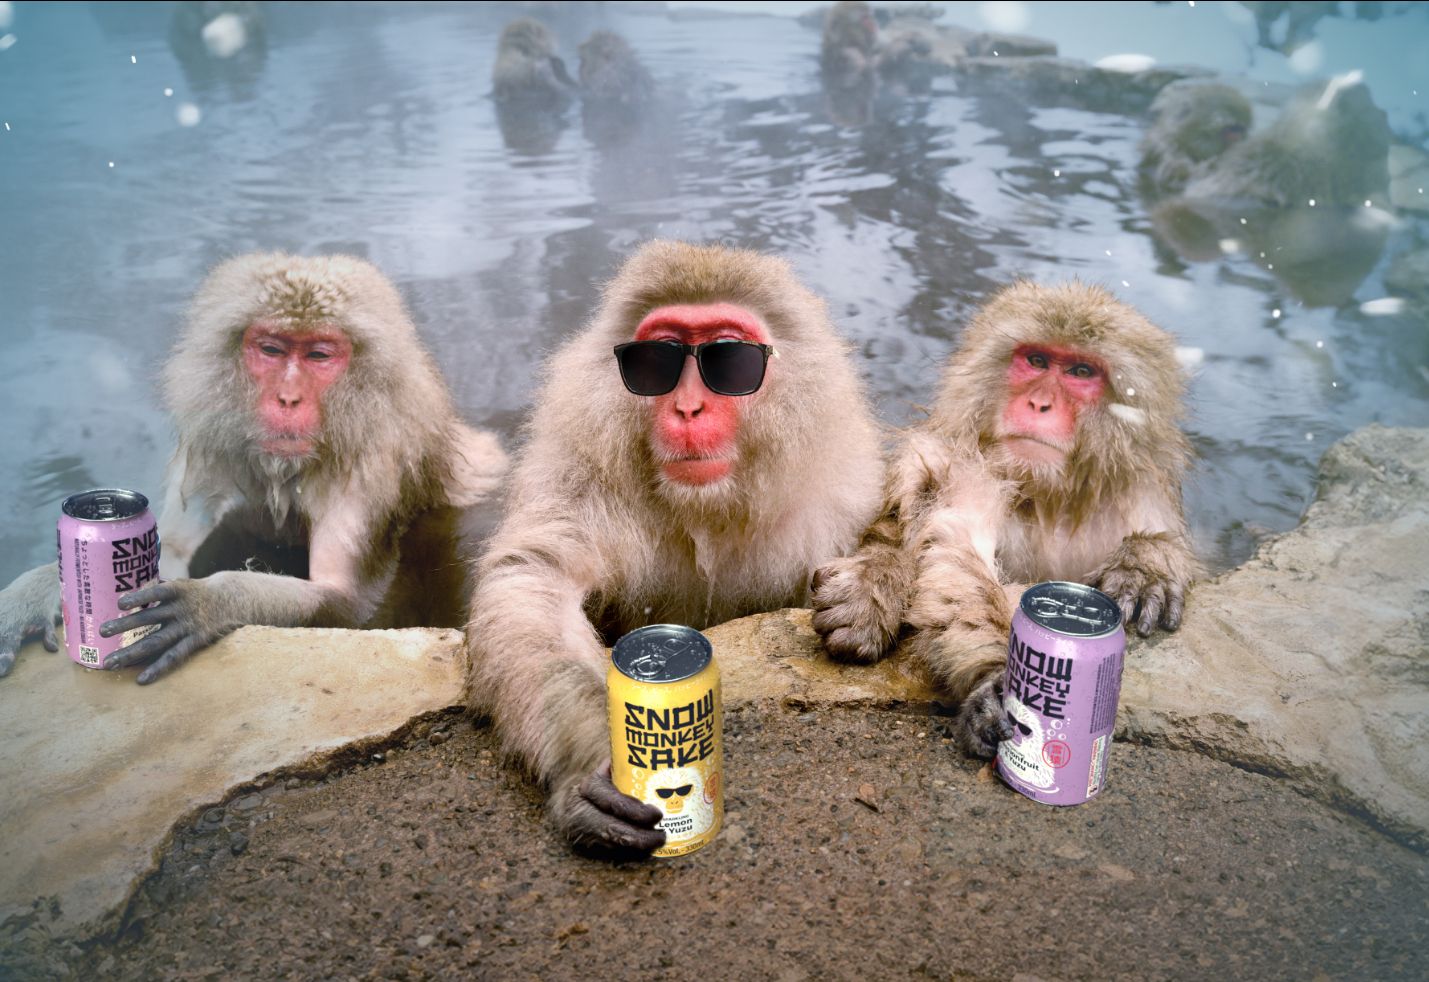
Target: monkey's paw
<point>1147,576</point>
<point>595,815</point>
<point>982,723</point>
<point>190,618</point>
<point>29,607</point>
<point>856,624</point>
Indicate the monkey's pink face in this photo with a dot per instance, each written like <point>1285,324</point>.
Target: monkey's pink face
<point>291,372</point>
<point>693,430</point>
<point>1049,387</point>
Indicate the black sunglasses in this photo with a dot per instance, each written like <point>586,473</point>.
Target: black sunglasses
<point>728,366</point>
<point>681,791</point>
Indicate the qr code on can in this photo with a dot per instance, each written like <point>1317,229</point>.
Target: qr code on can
<point>88,655</point>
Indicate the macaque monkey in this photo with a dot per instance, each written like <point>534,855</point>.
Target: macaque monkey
<point>1330,146</point>
<point>695,453</point>
<point>1192,123</point>
<point>849,46</point>
<point>616,89</point>
<point>313,427</point>
<point>1053,453</point>
<point>220,42</point>
<point>528,73</point>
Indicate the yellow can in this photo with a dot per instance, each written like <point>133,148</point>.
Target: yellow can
<point>665,719</point>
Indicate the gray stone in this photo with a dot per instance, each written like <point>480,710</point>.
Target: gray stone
<point>97,770</point>
<point>1408,274</point>
<point>1311,661</point>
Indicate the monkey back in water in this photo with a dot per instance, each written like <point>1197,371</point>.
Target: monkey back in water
<point>108,544</point>
<point>1063,680</point>
<point>665,722</point>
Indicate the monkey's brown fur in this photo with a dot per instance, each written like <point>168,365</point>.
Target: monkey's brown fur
<point>966,526</point>
<point>593,544</point>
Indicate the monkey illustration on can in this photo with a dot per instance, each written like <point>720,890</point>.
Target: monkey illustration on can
<point>665,717</point>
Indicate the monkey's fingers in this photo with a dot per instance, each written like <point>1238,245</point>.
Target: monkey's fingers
<point>600,791</point>
<point>8,646</point>
<point>1152,603</point>
<point>1175,607</point>
<point>50,640</point>
<point>181,652</point>
<point>144,596</point>
<point>145,648</point>
<point>159,614</point>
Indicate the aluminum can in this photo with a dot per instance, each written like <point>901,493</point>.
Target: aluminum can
<point>108,544</point>
<point>1061,687</point>
<point>665,725</point>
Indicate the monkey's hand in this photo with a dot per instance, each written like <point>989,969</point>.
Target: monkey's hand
<point>982,723</point>
<point>1147,576</point>
<point>593,814</point>
<point>190,616</point>
<point>858,606</point>
<point>29,606</point>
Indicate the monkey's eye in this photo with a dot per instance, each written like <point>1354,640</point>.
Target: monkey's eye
<point>1037,360</point>
<point>318,355</point>
<point>268,348</point>
<point>1082,370</point>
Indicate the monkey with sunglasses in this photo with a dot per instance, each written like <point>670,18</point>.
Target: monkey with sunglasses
<point>691,479</point>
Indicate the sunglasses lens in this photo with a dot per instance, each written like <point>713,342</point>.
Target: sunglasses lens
<point>683,789</point>
<point>732,368</point>
<point>650,368</point>
<point>664,792</point>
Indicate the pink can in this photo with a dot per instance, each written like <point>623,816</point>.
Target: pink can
<point>108,545</point>
<point>1061,687</point>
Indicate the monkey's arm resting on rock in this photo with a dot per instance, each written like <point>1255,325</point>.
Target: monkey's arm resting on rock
<point>961,610</point>
<point>860,602</point>
<point>343,590</point>
<point>29,606</point>
<point>1147,576</point>
<point>538,666</point>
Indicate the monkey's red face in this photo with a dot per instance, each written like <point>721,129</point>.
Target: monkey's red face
<point>1048,387</point>
<point>291,372</point>
<point>693,430</point>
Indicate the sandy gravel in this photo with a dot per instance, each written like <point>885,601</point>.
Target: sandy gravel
<point>434,862</point>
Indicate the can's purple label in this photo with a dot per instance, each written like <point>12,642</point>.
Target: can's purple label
<point>1062,683</point>
<point>108,545</point>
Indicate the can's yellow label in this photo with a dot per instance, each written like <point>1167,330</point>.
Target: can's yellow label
<point>665,751</point>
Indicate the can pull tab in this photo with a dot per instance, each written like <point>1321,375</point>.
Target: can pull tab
<point>104,506</point>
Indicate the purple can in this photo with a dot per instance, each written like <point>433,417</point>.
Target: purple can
<point>108,545</point>
<point>1063,680</point>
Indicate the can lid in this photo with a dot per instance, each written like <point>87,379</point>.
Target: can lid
<point>105,505</point>
<point>1073,609</point>
<point>662,653</point>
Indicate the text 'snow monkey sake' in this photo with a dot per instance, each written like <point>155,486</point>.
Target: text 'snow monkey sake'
<point>108,543</point>
<point>665,721</point>
<point>1061,688</point>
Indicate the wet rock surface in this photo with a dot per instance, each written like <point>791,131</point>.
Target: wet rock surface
<point>856,843</point>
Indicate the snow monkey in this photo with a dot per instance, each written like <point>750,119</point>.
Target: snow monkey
<point>528,73</point>
<point>1330,146</point>
<point>1193,123</point>
<point>314,428</point>
<point>1053,452</point>
<point>695,453</point>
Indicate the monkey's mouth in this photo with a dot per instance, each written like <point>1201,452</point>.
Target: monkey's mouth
<point>1034,450</point>
<point>287,444</point>
<point>696,471</point>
